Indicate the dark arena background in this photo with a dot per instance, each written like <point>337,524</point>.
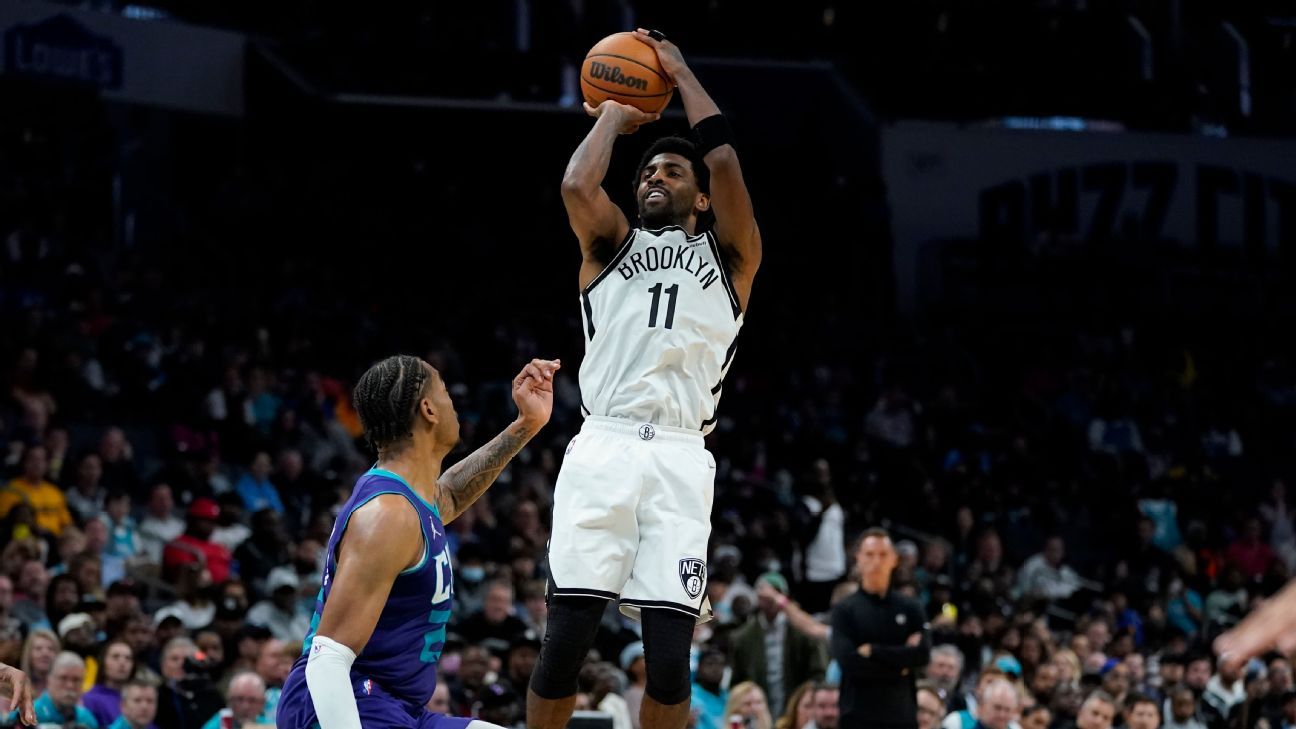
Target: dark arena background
<point>1026,302</point>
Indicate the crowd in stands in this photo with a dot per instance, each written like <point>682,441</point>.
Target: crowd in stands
<point>1080,505</point>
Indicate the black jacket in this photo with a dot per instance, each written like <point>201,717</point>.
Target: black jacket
<point>879,691</point>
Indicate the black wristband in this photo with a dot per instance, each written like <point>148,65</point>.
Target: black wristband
<point>712,132</point>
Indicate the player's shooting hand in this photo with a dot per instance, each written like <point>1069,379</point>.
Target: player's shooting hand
<point>627,118</point>
<point>533,391</point>
<point>668,54</point>
<point>1272,625</point>
<point>19,688</point>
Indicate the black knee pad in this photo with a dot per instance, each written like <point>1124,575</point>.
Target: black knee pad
<point>569,633</point>
<point>667,638</point>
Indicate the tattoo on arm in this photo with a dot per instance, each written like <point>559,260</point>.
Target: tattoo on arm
<point>468,479</point>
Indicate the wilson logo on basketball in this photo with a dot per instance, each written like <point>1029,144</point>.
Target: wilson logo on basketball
<point>613,74</point>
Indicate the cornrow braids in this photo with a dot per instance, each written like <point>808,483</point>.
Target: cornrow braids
<point>385,398</point>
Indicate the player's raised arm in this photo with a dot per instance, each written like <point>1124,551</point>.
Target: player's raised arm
<point>598,223</point>
<point>735,222</point>
<point>464,482</point>
<point>373,552</point>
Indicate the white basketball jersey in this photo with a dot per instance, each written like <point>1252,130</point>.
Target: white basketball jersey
<point>661,327</point>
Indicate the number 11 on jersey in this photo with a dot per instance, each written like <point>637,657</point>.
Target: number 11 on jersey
<point>671,292</point>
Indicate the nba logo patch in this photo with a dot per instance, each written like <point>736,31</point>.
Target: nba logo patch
<point>368,686</point>
<point>692,574</point>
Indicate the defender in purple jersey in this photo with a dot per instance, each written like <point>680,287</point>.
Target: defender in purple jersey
<point>379,625</point>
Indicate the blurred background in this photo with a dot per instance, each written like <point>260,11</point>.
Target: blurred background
<point>1026,302</point>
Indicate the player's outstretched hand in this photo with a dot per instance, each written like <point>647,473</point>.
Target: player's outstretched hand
<point>628,118</point>
<point>668,54</point>
<point>1272,625</point>
<point>16,684</point>
<point>533,391</point>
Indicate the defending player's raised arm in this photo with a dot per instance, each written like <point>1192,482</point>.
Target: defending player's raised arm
<point>735,221</point>
<point>372,553</point>
<point>598,223</point>
<point>464,482</point>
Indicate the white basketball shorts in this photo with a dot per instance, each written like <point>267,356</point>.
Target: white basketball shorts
<point>632,516</point>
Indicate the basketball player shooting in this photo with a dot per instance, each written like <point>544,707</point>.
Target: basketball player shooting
<point>662,304</point>
<point>380,618</point>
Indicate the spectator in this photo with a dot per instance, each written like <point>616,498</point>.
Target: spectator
<point>709,697</point>
<point>38,656</point>
<point>161,526</point>
<point>300,489</point>
<point>77,634</point>
<point>1197,674</point>
<point>474,665</point>
<point>1097,712</point>
<point>186,699</point>
<point>230,531</point>
<point>265,548</point>
<point>1223,691</point>
<point>771,652</point>
<point>495,621</point>
<point>116,456</point>
<point>31,487</point>
<point>139,706</point>
<point>1250,553</point>
<point>247,648</point>
<point>124,540</point>
<point>195,545</point>
<point>823,539</point>
<point>116,668</point>
<point>273,663</point>
<point>62,597</point>
<point>255,487</point>
<point>1037,716</point>
<point>632,664</point>
<point>470,582</point>
<point>61,701</point>
<point>998,705</point>
<point>305,568</point>
<point>193,607</point>
<point>826,713</point>
<point>1045,577</point>
<point>597,680</point>
<point>246,703</point>
<point>967,718</point>
<point>283,613</point>
<point>535,607</point>
<point>138,633</point>
<point>1183,711</point>
<point>440,701</point>
<point>747,702</point>
<point>86,497</point>
<point>800,708</point>
<point>12,628</point>
<point>1142,712</point>
<point>931,707</point>
<point>944,669</point>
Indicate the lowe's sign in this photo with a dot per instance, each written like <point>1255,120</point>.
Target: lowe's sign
<point>62,49</point>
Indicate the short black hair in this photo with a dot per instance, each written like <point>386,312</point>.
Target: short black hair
<point>1135,699</point>
<point>385,398</point>
<point>685,148</point>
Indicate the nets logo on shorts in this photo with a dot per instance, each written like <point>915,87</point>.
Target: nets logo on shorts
<point>647,432</point>
<point>693,575</point>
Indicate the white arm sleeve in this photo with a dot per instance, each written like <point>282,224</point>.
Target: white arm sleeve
<point>328,676</point>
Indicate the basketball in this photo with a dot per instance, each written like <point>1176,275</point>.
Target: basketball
<point>623,68</point>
